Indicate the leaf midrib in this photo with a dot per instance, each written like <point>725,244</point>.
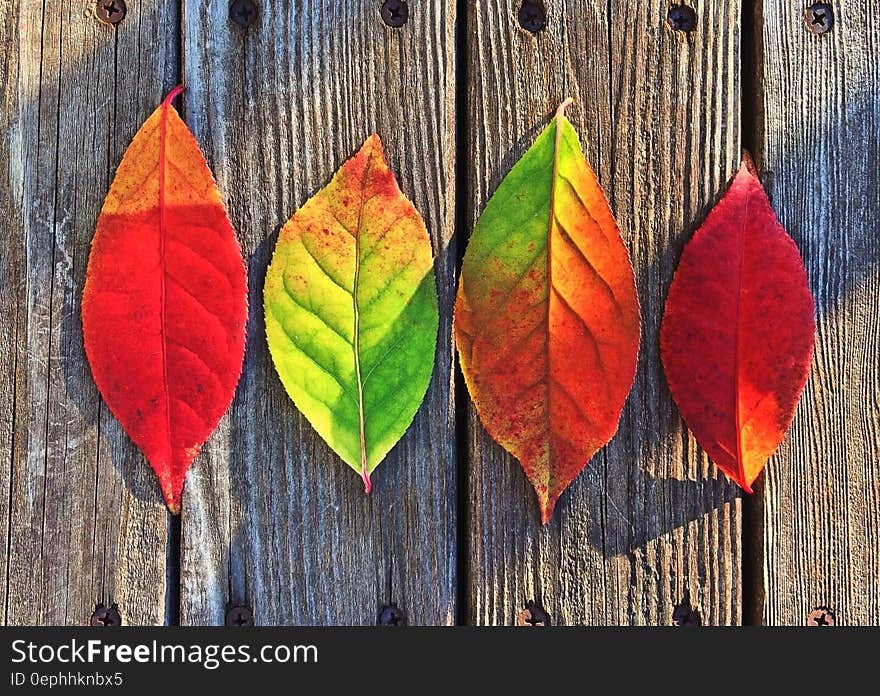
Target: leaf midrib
<point>163,158</point>
<point>560,114</point>
<point>737,344</point>
<point>357,320</point>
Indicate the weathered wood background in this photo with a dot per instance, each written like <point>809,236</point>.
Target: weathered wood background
<point>271,520</point>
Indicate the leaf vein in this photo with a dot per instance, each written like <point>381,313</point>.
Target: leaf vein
<point>321,268</point>
<point>302,351</point>
<point>569,240</point>
<point>289,293</point>
<point>198,300</point>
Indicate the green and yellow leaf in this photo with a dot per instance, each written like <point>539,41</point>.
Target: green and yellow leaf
<point>351,310</point>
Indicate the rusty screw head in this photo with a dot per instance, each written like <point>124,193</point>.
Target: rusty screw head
<point>394,13</point>
<point>533,615</point>
<point>110,12</point>
<point>681,18</point>
<point>243,12</point>
<point>532,16</point>
<point>391,615</point>
<point>819,18</point>
<point>102,616</point>
<point>238,616</point>
<point>821,616</point>
<point>684,615</point>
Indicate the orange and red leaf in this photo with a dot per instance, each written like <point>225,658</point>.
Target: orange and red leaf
<point>165,299</point>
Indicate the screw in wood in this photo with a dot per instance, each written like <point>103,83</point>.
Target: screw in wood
<point>243,12</point>
<point>102,616</point>
<point>391,615</point>
<point>238,616</point>
<point>532,16</point>
<point>533,615</point>
<point>110,12</point>
<point>394,13</point>
<point>819,18</point>
<point>821,616</point>
<point>684,615</point>
<point>681,18</point>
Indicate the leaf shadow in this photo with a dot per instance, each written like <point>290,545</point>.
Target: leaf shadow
<point>111,440</point>
<point>647,508</point>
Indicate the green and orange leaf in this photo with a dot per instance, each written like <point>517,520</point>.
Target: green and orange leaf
<point>351,310</point>
<point>547,314</point>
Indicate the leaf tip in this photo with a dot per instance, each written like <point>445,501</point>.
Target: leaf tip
<point>373,142</point>
<point>174,507</point>
<point>548,504</point>
<point>368,484</point>
<point>748,163</point>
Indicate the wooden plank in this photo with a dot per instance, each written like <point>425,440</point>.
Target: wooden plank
<point>85,519</point>
<point>272,518</point>
<point>10,278</point>
<point>658,114</point>
<point>821,499</point>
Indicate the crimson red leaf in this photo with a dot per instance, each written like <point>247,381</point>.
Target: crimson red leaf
<point>165,299</point>
<point>738,331</point>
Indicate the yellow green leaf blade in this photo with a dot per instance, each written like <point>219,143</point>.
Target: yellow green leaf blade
<point>351,310</point>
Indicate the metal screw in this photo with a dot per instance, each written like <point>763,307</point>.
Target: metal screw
<point>532,16</point>
<point>681,18</point>
<point>533,615</point>
<point>391,615</point>
<point>110,12</point>
<point>821,616</point>
<point>239,616</point>
<point>394,13</point>
<point>819,18</point>
<point>683,615</point>
<point>243,12</point>
<point>102,616</point>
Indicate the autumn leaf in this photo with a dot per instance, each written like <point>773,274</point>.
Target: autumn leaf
<point>165,300</point>
<point>351,310</point>
<point>738,331</point>
<point>547,316</point>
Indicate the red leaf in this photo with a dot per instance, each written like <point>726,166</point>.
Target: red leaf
<point>738,331</point>
<point>165,299</point>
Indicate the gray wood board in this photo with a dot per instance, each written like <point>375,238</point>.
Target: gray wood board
<point>658,114</point>
<point>272,517</point>
<point>820,520</point>
<point>86,522</point>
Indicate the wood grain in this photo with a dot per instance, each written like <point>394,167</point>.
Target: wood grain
<point>658,115</point>
<point>820,114</point>
<point>83,520</point>
<point>272,518</point>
